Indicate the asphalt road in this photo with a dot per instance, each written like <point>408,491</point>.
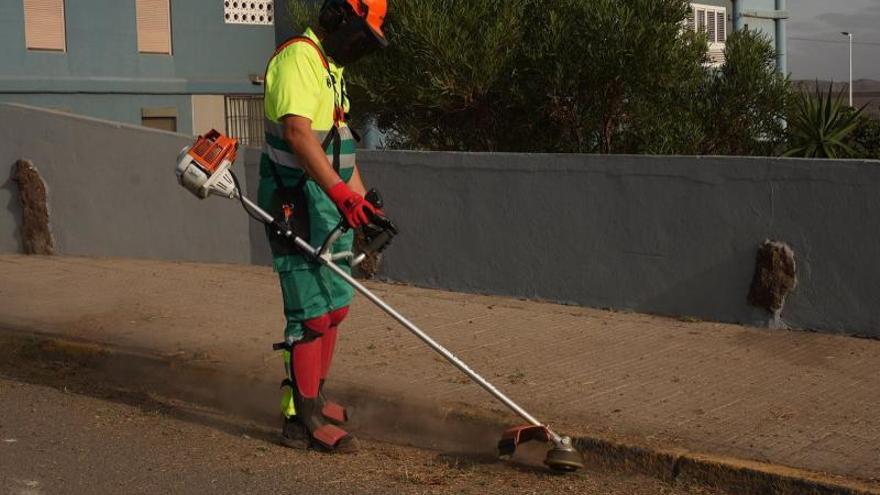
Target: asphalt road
<point>64,430</point>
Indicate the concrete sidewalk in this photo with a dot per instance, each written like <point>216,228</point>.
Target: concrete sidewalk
<point>795,399</point>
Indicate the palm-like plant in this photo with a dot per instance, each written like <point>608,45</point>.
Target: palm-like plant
<point>821,125</point>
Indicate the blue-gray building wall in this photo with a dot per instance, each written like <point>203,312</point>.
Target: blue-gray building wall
<point>768,17</point>
<point>765,16</point>
<point>102,74</point>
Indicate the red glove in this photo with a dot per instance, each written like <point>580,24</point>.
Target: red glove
<point>352,205</point>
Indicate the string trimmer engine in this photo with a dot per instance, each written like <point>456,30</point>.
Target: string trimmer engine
<point>204,167</point>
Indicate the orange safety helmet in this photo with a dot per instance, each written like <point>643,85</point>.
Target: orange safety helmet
<point>373,12</point>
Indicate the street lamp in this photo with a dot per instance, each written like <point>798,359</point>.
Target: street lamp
<point>850,35</point>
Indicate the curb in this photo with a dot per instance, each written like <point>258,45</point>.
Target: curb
<point>736,476</point>
<point>742,477</point>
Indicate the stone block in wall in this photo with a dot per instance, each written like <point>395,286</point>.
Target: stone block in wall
<point>775,277</point>
<point>36,235</point>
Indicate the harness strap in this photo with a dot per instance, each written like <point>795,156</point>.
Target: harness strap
<point>333,137</point>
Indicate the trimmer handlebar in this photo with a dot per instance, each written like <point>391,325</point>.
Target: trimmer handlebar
<point>375,199</point>
<point>378,233</point>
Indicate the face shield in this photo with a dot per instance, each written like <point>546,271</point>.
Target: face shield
<point>352,40</point>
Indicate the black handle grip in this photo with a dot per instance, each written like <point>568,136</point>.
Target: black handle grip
<point>375,199</point>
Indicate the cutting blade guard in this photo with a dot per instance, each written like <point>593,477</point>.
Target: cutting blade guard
<point>513,437</point>
<point>562,457</point>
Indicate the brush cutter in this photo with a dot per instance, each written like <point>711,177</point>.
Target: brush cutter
<point>205,170</point>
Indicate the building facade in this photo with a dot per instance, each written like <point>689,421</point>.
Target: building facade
<point>717,18</point>
<point>180,65</point>
<point>769,17</point>
<point>712,17</point>
<point>192,65</point>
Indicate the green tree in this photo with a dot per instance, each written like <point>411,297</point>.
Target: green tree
<point>746,99</point>
<point>445,81</point>
<point>865,138</point>
<point>611,76</point>
<point>529,75</point>
<point>603,75</point>
<point>821,125</point>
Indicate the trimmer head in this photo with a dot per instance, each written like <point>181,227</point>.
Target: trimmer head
<point>563,457</point>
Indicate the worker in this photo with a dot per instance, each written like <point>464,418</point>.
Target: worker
<point>309,177</point>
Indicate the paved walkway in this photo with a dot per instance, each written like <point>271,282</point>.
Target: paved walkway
<point>798,399</point>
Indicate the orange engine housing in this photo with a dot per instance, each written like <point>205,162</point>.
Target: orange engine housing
<point>212,149</point>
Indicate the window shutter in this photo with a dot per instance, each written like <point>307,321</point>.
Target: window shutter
<point>722,26</point>
<point>712,29</point>
<point>701,20</point>
<point>691,20</point>
<point>153,26</point>
<point>44,25</point>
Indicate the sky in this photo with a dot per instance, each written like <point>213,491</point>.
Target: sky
<point>824,20</point>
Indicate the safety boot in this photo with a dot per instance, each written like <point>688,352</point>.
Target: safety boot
<point>293,433</point>
<point>321,434</point>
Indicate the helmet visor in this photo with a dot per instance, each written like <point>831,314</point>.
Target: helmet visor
<point>353,40</point>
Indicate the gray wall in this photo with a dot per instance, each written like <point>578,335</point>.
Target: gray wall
<point>112,191</point>
<point>667,235</point>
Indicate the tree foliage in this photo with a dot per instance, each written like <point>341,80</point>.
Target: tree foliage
<point>747,100</point>
<point>865,138</point>
<point>611,76</point>
<point>598,74</point>
<point>446,80</point>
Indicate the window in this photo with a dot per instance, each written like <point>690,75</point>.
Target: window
<point>162,118</point>
<point>712,21</point>
<point>244,119</point>
<point>153,26</point>
<point>44,25</point>
<point>249,12</point>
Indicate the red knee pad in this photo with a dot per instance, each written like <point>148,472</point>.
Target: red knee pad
<point>337,316</point>
<point>319,325</point>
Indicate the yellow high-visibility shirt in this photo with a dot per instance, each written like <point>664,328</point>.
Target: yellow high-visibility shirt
<point>298,84</point>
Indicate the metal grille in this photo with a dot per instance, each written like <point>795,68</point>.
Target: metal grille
<point>244,119</point>
<point>249,12</point>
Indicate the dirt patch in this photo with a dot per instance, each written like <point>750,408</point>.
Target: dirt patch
<point>80,444</point>
<point>140,379</point>
<point>152,426</point>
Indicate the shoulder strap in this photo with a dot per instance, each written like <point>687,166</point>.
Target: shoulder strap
<point>333,136</point>
<point>306,40</point>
